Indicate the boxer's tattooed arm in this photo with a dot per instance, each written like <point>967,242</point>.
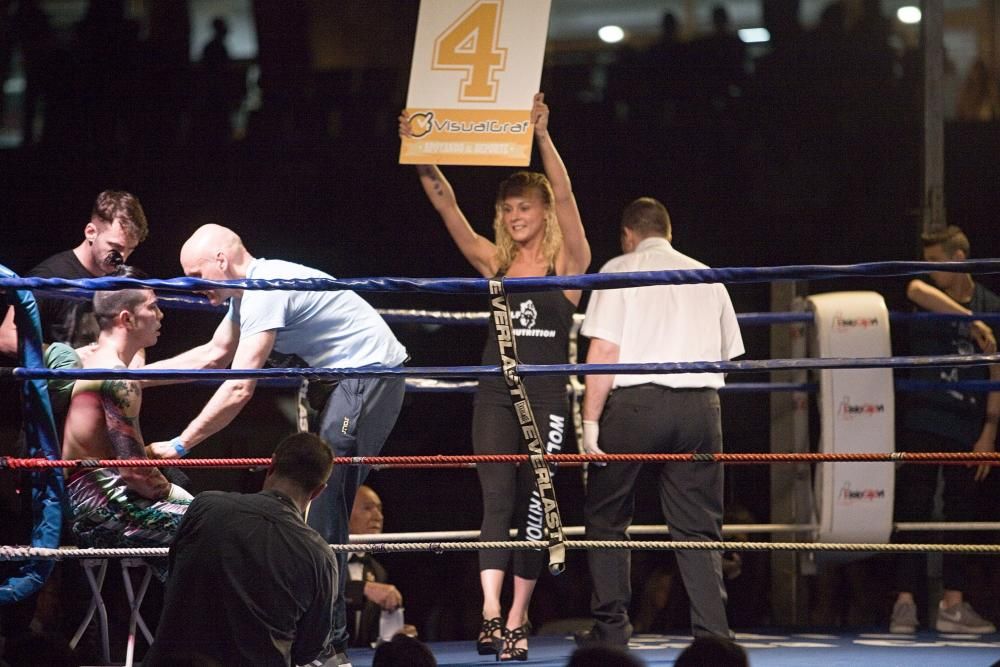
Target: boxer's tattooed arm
<point>121,400</point>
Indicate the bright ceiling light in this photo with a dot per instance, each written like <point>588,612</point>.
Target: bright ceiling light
<point>754,35</point>
<point>611,34</point>
<point>908,14</point>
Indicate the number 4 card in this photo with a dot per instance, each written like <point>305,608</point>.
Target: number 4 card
<point>476,66</point>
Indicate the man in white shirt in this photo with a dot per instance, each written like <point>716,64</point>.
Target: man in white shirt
<point>632,414</point>
<point>323,329</point>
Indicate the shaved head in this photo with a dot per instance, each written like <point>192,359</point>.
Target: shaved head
<point>206,242</point>
<point>215,252</point>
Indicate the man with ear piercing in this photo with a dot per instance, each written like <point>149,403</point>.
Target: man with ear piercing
<point>116,226</point>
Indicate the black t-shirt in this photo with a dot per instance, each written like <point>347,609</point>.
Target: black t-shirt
<point>952,414</point>
<point>250,584</point>
<point>541,322</point>
<point>69,321</point>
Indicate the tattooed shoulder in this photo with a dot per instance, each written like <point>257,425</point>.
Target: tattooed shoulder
<point>125,394</point>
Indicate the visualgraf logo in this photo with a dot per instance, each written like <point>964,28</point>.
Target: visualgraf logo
<point>841,323</point>
<point>849,410</point>
<point>423,123</point>
<point>850,496</point>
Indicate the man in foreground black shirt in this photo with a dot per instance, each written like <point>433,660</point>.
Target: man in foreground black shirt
<point>250,582</point>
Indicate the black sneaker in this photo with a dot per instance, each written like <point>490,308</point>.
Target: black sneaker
<point>593,637</point>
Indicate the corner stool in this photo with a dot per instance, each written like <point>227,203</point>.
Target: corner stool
<point>95,569</point>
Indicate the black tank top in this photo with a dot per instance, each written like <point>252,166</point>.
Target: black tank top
<point>541,324</point>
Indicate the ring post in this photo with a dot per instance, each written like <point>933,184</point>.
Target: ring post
<point>857,414</point>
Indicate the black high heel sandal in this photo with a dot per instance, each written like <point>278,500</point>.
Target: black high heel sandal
<point>488,643</point>
<point>510,639</point>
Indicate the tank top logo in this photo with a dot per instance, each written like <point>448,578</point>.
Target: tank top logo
<point>527,316</point>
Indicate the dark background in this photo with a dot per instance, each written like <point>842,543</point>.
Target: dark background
<point>816,160</point>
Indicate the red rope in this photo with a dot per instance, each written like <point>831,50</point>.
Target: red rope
<point>436,461</point>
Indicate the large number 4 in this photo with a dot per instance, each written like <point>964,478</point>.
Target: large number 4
<point>470,44</point>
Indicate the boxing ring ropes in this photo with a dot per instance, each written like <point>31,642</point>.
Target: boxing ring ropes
<point>44,452</point>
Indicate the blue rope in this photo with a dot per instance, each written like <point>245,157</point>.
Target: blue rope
<point>962,385</point>
<point>40,435</point>
<point>664,368</point>
<point>467,387</point>
<point>481,285</point>
<point>410,316</point>
<point>946,317</point>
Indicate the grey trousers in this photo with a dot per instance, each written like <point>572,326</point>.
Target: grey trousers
<point>651,419</point>
<point>356,421</point>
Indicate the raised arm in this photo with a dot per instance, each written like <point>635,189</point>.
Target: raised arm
<point>121,400</point>
<point>477,250</point>
<point>575,255</point>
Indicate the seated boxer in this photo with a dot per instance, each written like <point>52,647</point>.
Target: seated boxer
<point>118,507</point>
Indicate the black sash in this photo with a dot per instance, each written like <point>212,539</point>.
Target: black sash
<point>529,428</point>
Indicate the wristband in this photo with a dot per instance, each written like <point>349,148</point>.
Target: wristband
<point>179,446</point>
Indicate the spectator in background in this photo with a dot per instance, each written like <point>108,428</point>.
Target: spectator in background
<point>719,60</point>
<point>957,420</point>
<point>668,89</point>
<point>32,31</point>
<point>979,98</point>
<point>216,52</point>
<point>222,88</point>
<point>369,594</point>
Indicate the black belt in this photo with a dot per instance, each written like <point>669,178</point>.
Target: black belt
<point>318,393</point>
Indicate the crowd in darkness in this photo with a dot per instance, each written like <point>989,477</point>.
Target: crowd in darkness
<point>108,82</point>
<point>817,135</point>
<point>100,86</point>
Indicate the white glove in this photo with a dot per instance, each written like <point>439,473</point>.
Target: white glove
<point>178,494</point>
<point>591,431</point>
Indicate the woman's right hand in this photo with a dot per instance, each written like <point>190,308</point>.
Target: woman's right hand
<point>405,129</point>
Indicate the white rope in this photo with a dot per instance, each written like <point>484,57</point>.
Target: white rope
<point>578,531</point>
<point>909,526</point>
<point>8,553</point>
<point>660,529</point>
<point>468,315</point>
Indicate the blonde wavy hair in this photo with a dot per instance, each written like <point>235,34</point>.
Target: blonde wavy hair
<point>517,185</point>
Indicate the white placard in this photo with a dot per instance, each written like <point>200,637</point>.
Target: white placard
<point>476,66</point>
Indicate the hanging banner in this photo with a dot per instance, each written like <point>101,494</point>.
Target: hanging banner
<point>476,66</point>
